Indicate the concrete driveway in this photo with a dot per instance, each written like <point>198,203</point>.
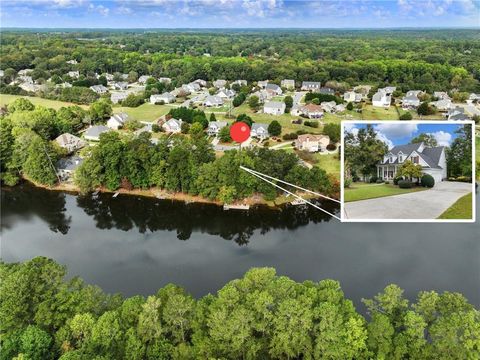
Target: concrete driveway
<point>428,204</point>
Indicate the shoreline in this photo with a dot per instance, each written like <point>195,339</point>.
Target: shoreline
<point>254,200</point>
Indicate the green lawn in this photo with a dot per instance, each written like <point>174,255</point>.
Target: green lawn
<point>477,155</point>
<point>369,112</point>
<point>330,163</point>
<point>361,191</point>
<point>54,104</point>
<point>145,112</point>
<point>462,209</point>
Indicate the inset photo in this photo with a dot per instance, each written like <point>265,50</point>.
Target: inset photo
<point>408,171</point>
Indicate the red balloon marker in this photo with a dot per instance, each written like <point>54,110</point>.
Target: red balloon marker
<point>239,132</point>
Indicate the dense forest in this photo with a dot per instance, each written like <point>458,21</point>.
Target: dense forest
<point>260,316</point>
<point>428,60</point>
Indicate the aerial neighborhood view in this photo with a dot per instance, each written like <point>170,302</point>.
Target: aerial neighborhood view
<point>232,179</point>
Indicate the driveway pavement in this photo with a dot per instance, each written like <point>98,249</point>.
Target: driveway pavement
<point>428,204</point>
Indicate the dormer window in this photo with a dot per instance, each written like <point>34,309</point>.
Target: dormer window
<point>400,158</point>
<point>391,159</point>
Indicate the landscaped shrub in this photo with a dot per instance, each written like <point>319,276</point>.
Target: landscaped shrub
<point>464,179</point>
<point>387,182</point>
<point>373,179</point>
<point>347,183</point>
<point>290,136</point>
<point>331,147</point>
<point>406,116</point>
<point>405,184</point>
<point>427,181</point>
<point>396,180</point>
<point>379,181</point>
<point>313,124</point>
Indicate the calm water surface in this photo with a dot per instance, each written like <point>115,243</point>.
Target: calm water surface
<point>135,245</point>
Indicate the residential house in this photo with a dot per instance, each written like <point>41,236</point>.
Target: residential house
<point>74,74</point>
<point>441,95</point>
<point>381,99</point>
<point>259,131</point>
<point>213,101</point>
<point>70,142</point>
<point>143,79</point>
<point>311,111</point>
<point>108,76</point>
<point>165,98</point>
<point>226,94</point>
<point>24,72</point>
<point>363,90</point>
<point>457,113</point>
<point>312,143</point>
<point>274,88</point>
<point>117,97</point>
<point>120,85</point>
<point>326,91</point>
<point>352,96</point>
<point>274,108</point>
<point>146,128</point>
<point>442,104</point>
<point>214,127</point>
<point>93,132</point>
<point>172,126</point>
<point>219,83</point>
<point>202,83</point>
<point>67,166</point>
<point>180,92</point>
<point>313,86</point>
<point>431,159</point>
<point>165,80</point>
<point>117,121</point>
<point>411,100</point>
<point>340,108</point>
<point>474,97</point>
<point>288,84</point>
<point>239,83</point>
<point>329,106</point>
<point>191,87</point>
<point>389,90</point>
<point>262,95</point>
<point>262,83</point>
<point>99,89</point>
<point>2,73</point>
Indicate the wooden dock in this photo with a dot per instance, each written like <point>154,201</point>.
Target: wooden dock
<point>236,207</point>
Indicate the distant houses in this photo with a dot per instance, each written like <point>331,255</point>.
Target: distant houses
<point>277,90</point>
<point>99,89</point>
<point>213,101</point>
<point>214,127</point>
<point>381,99</point>
<point>311,111</point>
<point>411,100</point>
<point>164,98</point>
<point>172,126</point>
<point>117,97</point>
<point>220,83</point>
<point>288,84</point>
<point>70,143</point>
<point>312,143</point>
<point>259,131</point>
<point>143,79</point>
<point>117,121</point>
<point>67,166</point>
<point>313,86</point>
<point>274,108</point>
<point>352,96</point>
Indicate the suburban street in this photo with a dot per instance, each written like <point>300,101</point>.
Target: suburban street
<point>428,204</point>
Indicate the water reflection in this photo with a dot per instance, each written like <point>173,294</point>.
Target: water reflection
<point>150,215</point>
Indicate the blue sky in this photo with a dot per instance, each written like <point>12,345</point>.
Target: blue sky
<point>239,13</point>
<point>401,133</point>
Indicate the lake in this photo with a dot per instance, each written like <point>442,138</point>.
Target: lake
<point>135,245</point>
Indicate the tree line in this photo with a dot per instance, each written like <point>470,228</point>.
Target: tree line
<point>263,315</point>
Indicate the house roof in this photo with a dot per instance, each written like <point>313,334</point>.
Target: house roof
<point>95,131</point>
<point>275,105</point>
<point>70,163</point>
<point>431,155</point>
<point>312,108</point>
<point>257,126</point>
<point>272,87</point>
<point>218,124</point>
<point>68,139</point>
<point>311,83</point>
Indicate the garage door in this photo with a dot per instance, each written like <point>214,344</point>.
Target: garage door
<point>437,175</point>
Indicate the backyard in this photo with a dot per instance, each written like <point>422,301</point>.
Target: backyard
<point>54,104</point>
<point>362,191</point>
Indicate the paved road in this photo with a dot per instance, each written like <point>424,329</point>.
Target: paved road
<point>428,204</point>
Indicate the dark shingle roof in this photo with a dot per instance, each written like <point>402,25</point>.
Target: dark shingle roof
<point>432,155</point>
<point>405,149</point>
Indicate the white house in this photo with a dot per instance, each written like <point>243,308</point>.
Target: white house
<point>312,111</point>
<point>329,106</point>
<point>312,143</point>
<point>441,95</point>
<point>288,84</point>
<point>173,125</point>
<point>474,97</point>
<point>274,108</point>
<point>262,83</point>
<point>99,89</point>
<point>120,85</point>
<point>117,97</point>
<point>352,96</point>
<point>116,121</point>
<point>381,99</point>
<point>165,80</point>
<point>226,94</point>
<point>277,90</point>
<point>143,79</point>
<point>214,127</point>
<point>166,98</point>
<point>239,82</point>
<point>201,82</point>
<point>259,131</point>
<point>212,100</point>
<point>389,90</point>
<point>93,132</point>
<point>311,86</point>
<point>411,100</point>
<point>219,83</point>
<point>74,74</point>
<point>431,159</point>
<point>70,142</point>
<point>442,104</point>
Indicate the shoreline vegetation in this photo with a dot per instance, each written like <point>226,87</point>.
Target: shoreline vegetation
<point>261,315</point>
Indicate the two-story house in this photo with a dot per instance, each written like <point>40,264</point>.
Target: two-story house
<point>432,160</point>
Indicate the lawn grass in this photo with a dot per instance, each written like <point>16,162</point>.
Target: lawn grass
<point>370,112</point>
<point>461,209</point>
<point>477,156</point>
<point>145,112</point>
<point>54,104</point>
<point>330,163</point>
<point>361,191</point>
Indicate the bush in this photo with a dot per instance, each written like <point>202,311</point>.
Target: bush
<point>156,128</point>
<point>387,182</point>
<point>427,181</point>
<point>396,180</point>
<point>405,184</point>
<point>331,147</point>
<point>406,116</point>
<point>313,124</point>
<point>464,179</point>
<point>290,136</point>
<point>347,183</point>
<point>301,132</point>
<point>379,181</point>
<point>373,179</point>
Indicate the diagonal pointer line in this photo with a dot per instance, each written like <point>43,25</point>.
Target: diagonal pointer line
<point>289,192</point>
<point>287,183</point>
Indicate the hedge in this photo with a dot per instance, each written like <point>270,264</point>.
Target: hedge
<point>405,184</point>
<point>427,181</point>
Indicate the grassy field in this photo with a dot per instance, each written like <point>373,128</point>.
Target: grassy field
<point>462,209</point>
<point>362,191</point>
<point>330,163</point>
<point>369,112</point>
<point>54,104</point>
<point>145,112</point>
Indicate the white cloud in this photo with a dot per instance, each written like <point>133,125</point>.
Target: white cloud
<point>396,130</point>
<point>382,137</point>
<point>261,8</point>
<point>102,10</point>
<point>443,138</point>
<point>350,128</point>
